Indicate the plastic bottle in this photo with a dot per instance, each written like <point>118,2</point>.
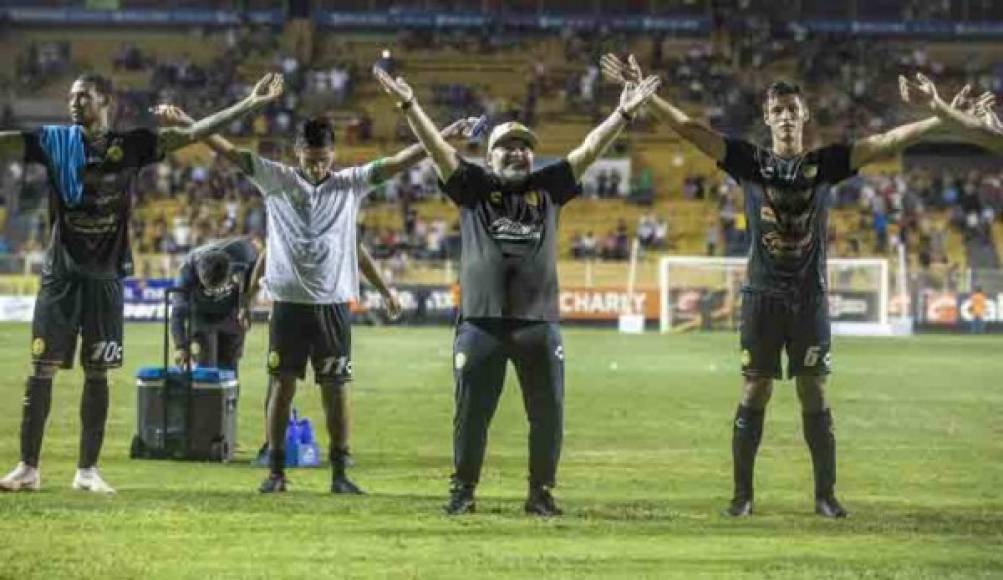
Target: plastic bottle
<point>292,441</point>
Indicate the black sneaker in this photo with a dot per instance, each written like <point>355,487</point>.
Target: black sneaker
<point>341,484</point>
<point>461,501</point>
<point>274,483</point>
<point>740,507</point>
<point>540,502</point>
<point>828,507</point>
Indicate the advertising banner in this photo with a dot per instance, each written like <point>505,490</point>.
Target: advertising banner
<point>956,311</point>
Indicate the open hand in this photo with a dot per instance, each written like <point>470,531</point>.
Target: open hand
<point>397,88</point>
<point>267,89</point>
<point>922,91</point>
<point>244,319</point>
<point>171,116</point>
<point>619,72</point>
<point>459,128</point>
<point>634,96</point>
<point>181,357</point>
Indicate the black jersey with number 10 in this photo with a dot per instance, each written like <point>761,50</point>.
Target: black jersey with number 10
<point>786,209</point>
<point>90,238</point>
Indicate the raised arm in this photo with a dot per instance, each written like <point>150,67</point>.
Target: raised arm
<point>372,273</point>
<point>11,145</point>
<point>442,153</point>
<point>390,166</point>
<point>884,145</point>
<point>173,116</point>
<point>707,140</point>
<point>265,91</point>
<point>974,122</point>
<point>633,97</point>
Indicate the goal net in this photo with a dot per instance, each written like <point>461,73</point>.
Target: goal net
<point>704,293</point>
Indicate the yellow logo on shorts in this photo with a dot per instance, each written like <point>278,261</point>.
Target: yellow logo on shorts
<point>746,357</point>
<point>460,360</point>
<point>114,154</point>
<point>38,346</point>
<point>273,360</point>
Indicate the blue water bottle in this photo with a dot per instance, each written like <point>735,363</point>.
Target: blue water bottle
<point>292,441</point>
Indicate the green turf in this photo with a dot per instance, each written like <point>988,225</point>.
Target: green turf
<point>646,468</point>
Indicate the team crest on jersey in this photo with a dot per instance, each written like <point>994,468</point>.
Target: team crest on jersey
<point>38,346</point>
<point>810,171</point>
<point>766,214</point>
<point>533,198</point>
<point>495,197</point>
<point>460,360</point>
<point>273,360</point>
<point>114,153</point>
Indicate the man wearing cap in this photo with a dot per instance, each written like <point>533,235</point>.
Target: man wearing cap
<point>508,281</point>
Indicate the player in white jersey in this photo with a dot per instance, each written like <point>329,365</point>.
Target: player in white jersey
<point>312,274</point>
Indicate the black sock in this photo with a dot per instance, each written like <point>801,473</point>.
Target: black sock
<point>37,401</point>
<point>746,434</point>
<point>277,460</point>
<point>339,460</point>
<point>822,445</point>
<point>93,415</point>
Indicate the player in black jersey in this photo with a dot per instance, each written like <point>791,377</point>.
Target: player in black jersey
<point>90,168</point>
<point>784,301</point>
<point>211,313</point>
<point>508,280</point>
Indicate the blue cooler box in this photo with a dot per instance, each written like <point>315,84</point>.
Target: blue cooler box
<point>185,415</point>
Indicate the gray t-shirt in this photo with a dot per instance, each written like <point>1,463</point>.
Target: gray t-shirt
<point>508,238</point>
<point>311,231</point>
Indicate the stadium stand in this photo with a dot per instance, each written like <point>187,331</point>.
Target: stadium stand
<point>548,82</point>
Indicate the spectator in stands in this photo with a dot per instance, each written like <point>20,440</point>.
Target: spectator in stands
<point>977,309</point>
<point>710,237</point>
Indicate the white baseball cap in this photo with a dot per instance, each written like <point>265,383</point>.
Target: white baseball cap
<point>511,129</point>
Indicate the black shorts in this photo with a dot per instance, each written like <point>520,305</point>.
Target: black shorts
<point>774,323</point>
<point>217,344</point>
<point>66,307</point>
<point>321,333</point>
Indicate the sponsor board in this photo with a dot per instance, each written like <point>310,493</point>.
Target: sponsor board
<point>578,303</point>
<point>954,311</point>
<point>715,308</point>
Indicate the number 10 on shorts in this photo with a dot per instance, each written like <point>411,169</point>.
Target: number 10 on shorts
<point>106,351</point>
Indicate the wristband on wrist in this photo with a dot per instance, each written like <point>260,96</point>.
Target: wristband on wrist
<point>627,117</point>
<point>405,105</point>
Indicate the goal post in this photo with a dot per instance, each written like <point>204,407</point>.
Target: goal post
<point>704,293</point>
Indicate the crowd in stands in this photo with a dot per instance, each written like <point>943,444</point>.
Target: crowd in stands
<point>891,210</point>
<point>851,90</point>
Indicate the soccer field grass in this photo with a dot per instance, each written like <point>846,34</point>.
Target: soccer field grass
<point>646,468</point>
